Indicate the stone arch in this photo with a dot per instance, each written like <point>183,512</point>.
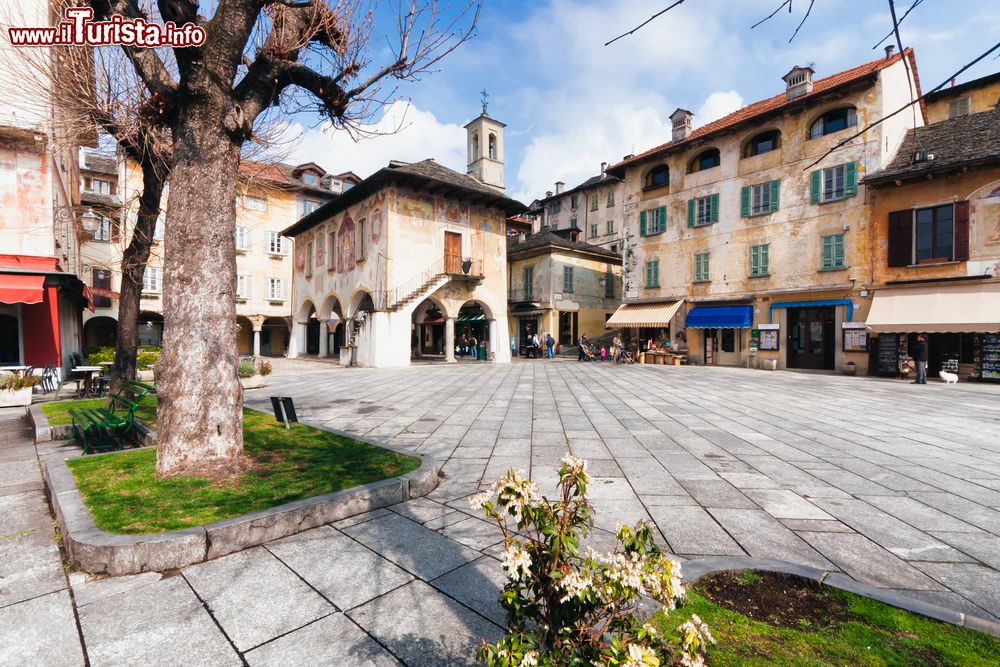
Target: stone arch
<point>363,299</point>
<point>332,303</point>
<point>244,335</point>
<point>307,308</point>
<point>100,331</point>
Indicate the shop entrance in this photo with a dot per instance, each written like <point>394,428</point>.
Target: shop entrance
<point>528,327</point>
<point>722,346</point>
<point>568,326</point>
<point>811,338</point>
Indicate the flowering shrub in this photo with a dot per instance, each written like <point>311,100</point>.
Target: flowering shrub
<point>568,608</point>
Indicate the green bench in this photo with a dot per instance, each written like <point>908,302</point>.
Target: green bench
<point>100,428</point>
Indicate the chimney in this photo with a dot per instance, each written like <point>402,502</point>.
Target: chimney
<point>548,193</point>
<point>680,121</point>
<point>799,81</point>
<point>604,169</point>
<point>888,51</point>
<point>559,187</point>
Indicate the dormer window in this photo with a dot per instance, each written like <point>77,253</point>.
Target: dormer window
<point>834,121</point>
<point>765,142</point>
<point>657,177</point>
<point>706,160</point>
<point>309,178</point>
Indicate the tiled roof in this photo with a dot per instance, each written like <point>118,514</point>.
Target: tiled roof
<point>954,142</point>
<point>547,238</point>
<point>772,104</point>
<point>587,184</point>
<point>432,170</point>
<point>277,174</point>
<point>101,163</point>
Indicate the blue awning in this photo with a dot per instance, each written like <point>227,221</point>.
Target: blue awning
<point>720,317</point>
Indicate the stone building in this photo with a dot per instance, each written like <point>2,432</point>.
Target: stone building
<point>592,212</point>
<point>746,240</point>
<point>559,286</point>
<point>271,197</point>
<point>935,227</point>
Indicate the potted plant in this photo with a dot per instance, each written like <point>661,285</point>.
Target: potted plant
<point>850,368</point>
<point>466,266</point>
<point>252,373</point>
<point>15,390</point>
<point>145,360</point>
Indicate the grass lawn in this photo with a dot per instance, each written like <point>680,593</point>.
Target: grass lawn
<point>815,625</point>
<point>57,412</point>
<point>125,495</point>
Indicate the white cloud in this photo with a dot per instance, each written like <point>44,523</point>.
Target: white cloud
<point>717,105</point>
<point>402,133</point>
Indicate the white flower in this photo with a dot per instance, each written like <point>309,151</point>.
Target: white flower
<point>516,561</point>
<point>641,656</point>
<point>478,500</point>
<point>577,466</point>
<point>573,584</point>
<point>530,659</point>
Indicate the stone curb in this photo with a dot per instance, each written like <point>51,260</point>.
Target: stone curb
<point>693,570</point>
<point>94,550</point>
<point>44,431</point>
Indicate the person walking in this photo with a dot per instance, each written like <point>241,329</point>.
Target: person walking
<point>920,359</point>
<point>583,344</point>
<point>536,346</point>
<point>550,346</point>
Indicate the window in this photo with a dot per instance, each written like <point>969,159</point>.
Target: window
<point>242,239</point>
<point>101,279</point>
<point>929,235</point>
<point>254,203</point>
<point>610,227</point>
<point>609,284</point>
<point>706,160</point>
<point>332,240</point>
<point>243,283</point>
<point>833,251</point>
<point>833,183</point>
<point>475,146</point>
<point>529,280</point>
<point>309,259</point>
<point>833,121</point>
<point>595,201</point>
<point>277,244</point>
<point>703,210</point>
<point>100,186</point>
<point>652,273</point>
<point>611,198</point>
<point>309,178</point>
<point>572,224</point>
<point>593,229</point>
<point>309,205</point>
<point>556,206</point>
<point>652,221</point>
<point>158,229</point>
<point>656,177</point>
<point>103,231</point>
<point>152,279</point>
<point>960,106</point>
<point>572,202</point>
<point>493,146</point>
<point>701,272</point>
<point>759,199</point>
<point>361,240</point>
<point>276,289</point>
<point>728,340</point>
<point>759,260</point>
<point>765,142</point>
<point>568,279</point>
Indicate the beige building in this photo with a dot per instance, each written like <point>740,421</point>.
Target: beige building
<point>748,236</point>
<point>405,263</point>
<point>982,94</point>
<point>592,212</point>
<point>559,286</point>
<point>271,197</point>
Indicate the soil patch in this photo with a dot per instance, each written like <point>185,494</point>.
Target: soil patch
<point>780,600</point>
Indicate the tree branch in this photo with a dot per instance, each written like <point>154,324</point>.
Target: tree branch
<point>644,23</point>
<point>150,69</point>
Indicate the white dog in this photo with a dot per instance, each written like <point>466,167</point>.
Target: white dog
<point>949,378</point>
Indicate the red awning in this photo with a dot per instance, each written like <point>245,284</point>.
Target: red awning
<point>21,288</point>
<point>103,291</point>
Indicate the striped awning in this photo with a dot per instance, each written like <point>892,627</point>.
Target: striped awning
<point>635,315</point>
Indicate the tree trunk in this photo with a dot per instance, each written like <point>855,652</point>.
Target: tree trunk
<point>134,261</point>
<point>200,417</point>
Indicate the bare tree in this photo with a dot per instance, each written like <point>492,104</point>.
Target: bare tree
<point>260,60</point>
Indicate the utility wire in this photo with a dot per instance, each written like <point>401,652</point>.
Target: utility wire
<point>896,23</point>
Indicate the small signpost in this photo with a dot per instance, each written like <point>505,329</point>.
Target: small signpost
<point>284,409</point>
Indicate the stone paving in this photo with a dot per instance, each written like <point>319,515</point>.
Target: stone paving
<point>895,485</point>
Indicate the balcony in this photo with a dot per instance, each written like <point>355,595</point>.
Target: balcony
<point>524,295</point>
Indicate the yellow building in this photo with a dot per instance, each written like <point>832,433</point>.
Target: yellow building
<point>982,94</point>
<point>560,286</point>
<point>936,248</point>
<point>271,197</point>
<point>745,239</point>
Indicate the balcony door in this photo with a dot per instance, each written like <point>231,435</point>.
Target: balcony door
<point>452,252</point>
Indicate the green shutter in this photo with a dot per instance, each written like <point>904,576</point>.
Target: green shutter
<point>815,182</point>
<point>765,258</point>
<point>754,260</point>
<point>642,223</point>
<point>745,201</point>
<point>690,212</point>
<point>851,179</point>
<point>838,256</point>
<point>775,187</point>
<point>663,219</point>
<point>715,208</point>
<point>828,252</point>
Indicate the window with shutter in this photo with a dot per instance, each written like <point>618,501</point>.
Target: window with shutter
<point>653,273</point>
<point>745,201</point>
<point>691,207</point>
<point>961,231</point>
<point>642,223</point>
<point>775,189</point>
<point>701,270</point>
<point>961,106</point>
<point>568,279</point>
<point>759,260</point>
<point>706,210</point>
<point>833,251</point>
<point>900,238</point>
<point>815,181</point>
<point>760,198</point>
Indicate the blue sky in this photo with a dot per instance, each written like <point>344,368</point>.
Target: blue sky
<point>570,103</point>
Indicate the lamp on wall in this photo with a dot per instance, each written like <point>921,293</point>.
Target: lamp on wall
<point>90,221</point>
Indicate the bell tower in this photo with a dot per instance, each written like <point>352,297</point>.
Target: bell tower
<point>485,148</point>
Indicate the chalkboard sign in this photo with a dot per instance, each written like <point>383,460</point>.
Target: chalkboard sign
<point>888,354</point>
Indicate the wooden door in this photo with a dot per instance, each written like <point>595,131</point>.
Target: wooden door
<point>452,252</point>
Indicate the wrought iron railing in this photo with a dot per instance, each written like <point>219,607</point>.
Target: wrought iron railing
<point>523,294</point>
